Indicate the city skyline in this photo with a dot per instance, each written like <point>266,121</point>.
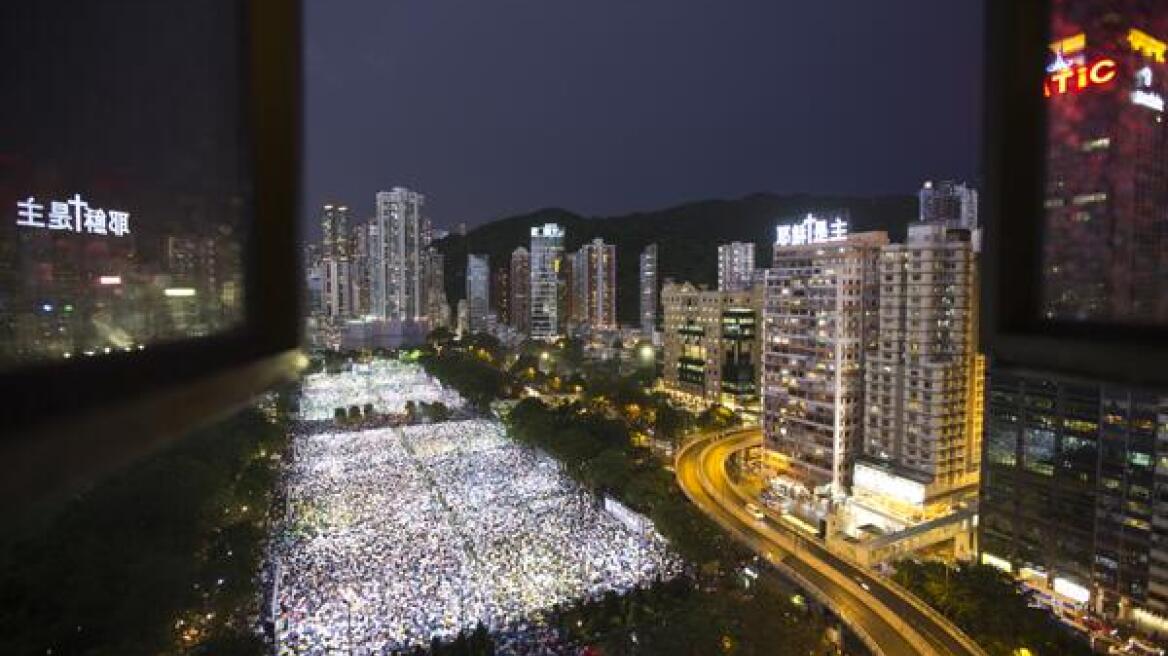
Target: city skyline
<point>531,328</point>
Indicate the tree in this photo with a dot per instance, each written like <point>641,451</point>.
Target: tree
<point>439,411</point>
<point>985,603</point>
<point>670,423</point>
<point>439,335</point>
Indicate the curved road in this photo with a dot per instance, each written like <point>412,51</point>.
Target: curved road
<point>886,618</point>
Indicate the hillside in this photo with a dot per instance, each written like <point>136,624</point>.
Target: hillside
<point>687,235</point>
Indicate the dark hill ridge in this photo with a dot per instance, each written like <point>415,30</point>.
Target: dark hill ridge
<point>687,235</point>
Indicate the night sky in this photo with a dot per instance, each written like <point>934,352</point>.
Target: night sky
<point>495,107</point>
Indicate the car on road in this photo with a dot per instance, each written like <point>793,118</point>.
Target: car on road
<point>755,512</point>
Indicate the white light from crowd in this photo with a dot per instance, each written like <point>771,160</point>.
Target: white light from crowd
<point>399,535</point>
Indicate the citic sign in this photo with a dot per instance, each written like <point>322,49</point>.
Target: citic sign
<point>1075,78</point>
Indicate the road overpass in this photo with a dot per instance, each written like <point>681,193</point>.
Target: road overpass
<point>888,619</point>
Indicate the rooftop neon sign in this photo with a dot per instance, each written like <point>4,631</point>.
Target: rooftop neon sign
<point>811,231</point>
<point>1076,78</point>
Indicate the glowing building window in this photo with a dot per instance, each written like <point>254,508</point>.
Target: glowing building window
<point>1087,199</point>
<point>1102,143</point>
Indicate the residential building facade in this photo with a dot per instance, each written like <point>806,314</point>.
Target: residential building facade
<point>649,290</point>
<point>924,378</point>
<point>520,279</point>
<point>736,270</point>
<point>710,342</point>
<point>547,254</point>
<point>820,321</point>
<point>594,283</point>
<point>402,232</point>
<point>478,292</point>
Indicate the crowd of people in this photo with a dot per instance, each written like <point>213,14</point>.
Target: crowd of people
<point>386,384</point>
<point>398,535</point>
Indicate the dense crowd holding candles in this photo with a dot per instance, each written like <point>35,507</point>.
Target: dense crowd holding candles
<point>386,384</point>
<point>398,535</point>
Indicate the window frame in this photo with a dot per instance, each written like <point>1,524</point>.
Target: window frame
<point>130,402</point>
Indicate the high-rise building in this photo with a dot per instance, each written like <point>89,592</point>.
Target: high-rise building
<point>334,228</point>
<point>547,253</point>
<point>820,320</point>
<point>948,202</point>
<point>1075,469</point>
<point>501,294</point>
<point>711,346</point>
<point>575,304</point>
<point>336,298</point>
<point>1074,474</point>
<point>434,283</point>
<point>567,291</point>
<point>520,289</point>
<point>649,288</point>
<point>1105,233</point>
<point>594,280</point>
<point>478,291</point>
<point>400,235</point>
<point>314,286</point>
<point>924,379</point>
<point>736,266</point>
<point>336,288</point>
<point>359,268</point>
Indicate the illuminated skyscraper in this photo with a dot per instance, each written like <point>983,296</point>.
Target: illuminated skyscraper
<point>711,345</point>
<point>501,293</point>
<point>521,289</point>
<point>547,252</point>
<point>334,227</point>
<point>1072,469</point>
<point>594,280</point>
<point>402,231</point>
<point>924,379</point>
<point>434,284</point>
<point>948,202</point>
<point>735,266</point>
<point>478,291</point>
<point>337,284</point>
<point>1105,245</point>
<point>650,289</point>
<point>820,320</point>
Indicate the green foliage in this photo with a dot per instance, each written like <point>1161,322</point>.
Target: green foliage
<point>477,381</point>
<point>595,450</point>
<point>987,605</point>
<point>118,566</point>
<point>686,235</point>
<point>717,417</point>
<point>684,618</point>
<point>440,335</point>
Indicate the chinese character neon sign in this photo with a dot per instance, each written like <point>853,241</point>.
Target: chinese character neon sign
<point>1077,78</point>
<point>72,215</point>
<point>811,231</point>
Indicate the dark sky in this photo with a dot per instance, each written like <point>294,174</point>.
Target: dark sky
<point>494,107</point>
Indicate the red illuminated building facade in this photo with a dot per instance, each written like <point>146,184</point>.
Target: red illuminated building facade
<point>1105,246</point>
